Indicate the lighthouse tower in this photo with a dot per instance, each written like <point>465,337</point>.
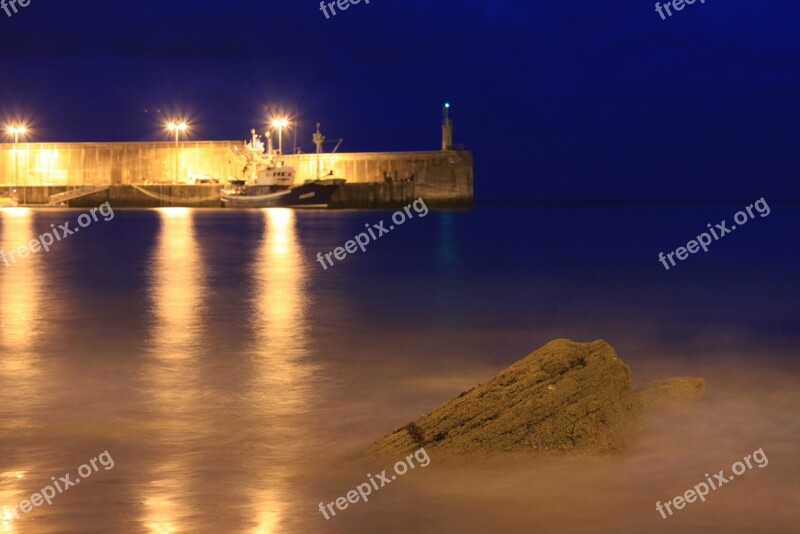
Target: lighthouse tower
<point>447,129</point>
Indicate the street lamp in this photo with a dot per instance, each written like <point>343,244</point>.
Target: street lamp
<point>280,124</point>
<point>16,131</point>
<point>178,128</point>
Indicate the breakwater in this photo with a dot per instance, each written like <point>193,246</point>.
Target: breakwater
<point>156,174</point>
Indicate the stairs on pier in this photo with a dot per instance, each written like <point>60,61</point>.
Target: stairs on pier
<point>72,194</point>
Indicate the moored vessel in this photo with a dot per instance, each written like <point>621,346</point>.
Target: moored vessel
<point>312,194</point>
<point>269,183</point>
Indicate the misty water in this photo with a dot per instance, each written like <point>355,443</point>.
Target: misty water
<point>234,381</point>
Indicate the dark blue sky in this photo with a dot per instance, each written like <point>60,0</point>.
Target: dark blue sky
<point>555,99</point>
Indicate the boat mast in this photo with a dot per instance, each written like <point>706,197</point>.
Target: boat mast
<point>253,159</point>
<point>268,135</point>
<point>318,140</point>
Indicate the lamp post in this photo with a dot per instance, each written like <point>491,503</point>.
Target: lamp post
<point>16,131</point>
<point>280,124</point>
<point>178,128</point>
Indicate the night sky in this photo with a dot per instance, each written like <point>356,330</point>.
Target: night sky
<point>586,100</point>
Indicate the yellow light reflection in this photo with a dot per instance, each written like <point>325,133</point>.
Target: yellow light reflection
<point>281,303</point>
<point>21,317</point>
<point>7,523</point>
<point>177,289</point>
<point>176,292</point>
<point>282,370</point>
<point>20,293</point>
<point>20,213</point>
<point>11,493</point>
<point>269,519</point>
<point>163,511</point>
<point>174,213</point>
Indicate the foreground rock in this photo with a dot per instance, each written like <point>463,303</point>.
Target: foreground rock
<point>566,397</point>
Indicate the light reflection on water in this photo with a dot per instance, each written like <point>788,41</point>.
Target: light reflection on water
<point>278,387</point>
<point>199,421</point>
<point>19,293</point>
<point>171,377</point>
<point>20,366</point>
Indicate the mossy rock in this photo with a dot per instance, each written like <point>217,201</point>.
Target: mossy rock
<point>565,398</point>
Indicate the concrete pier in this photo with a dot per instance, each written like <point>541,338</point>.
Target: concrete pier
<point>155,174</point>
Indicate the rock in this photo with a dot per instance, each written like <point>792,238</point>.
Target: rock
<point>566,397</point>
<point>670,390</point>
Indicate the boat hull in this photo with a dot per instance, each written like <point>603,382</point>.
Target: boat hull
<point>310,195</point>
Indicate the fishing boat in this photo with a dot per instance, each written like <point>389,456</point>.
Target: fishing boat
<point>269,183</point>
<point>312,194</point>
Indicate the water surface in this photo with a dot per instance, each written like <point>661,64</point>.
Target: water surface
<point>232,379</point>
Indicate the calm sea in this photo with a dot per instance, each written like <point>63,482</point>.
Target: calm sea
<point>233,380</point>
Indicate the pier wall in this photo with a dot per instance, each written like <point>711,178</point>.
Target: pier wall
<point>77,164</point>
<point>442,177</point>
<point>137,170</point>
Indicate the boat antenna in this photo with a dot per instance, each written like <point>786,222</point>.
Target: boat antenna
<point>318,140</point>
